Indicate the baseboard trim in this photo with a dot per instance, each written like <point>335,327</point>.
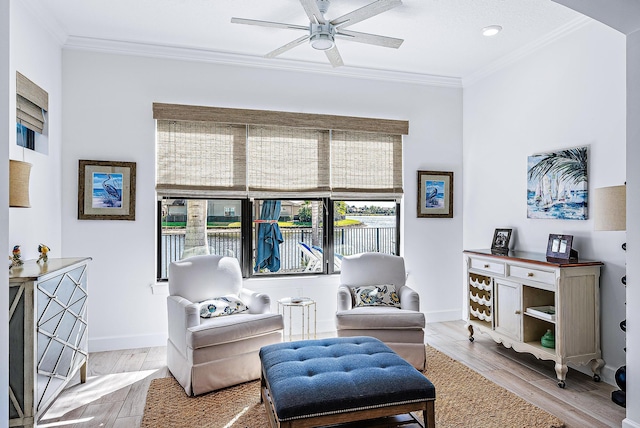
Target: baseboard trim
<point>444,315</point>
<point>114,343</point>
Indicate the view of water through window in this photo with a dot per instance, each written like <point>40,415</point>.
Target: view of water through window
<point>192,227</point>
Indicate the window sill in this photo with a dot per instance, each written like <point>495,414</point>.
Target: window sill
<point>161,288</point>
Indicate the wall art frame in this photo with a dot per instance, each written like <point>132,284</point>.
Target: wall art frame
<point>106,190</point>
<point>557,184</point>
<point>435,194</point>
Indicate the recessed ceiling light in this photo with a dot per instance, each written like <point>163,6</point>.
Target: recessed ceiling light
<point>491,30</point>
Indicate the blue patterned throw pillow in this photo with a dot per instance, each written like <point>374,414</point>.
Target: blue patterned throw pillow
<point>219,306</point>
<point>375,295</point>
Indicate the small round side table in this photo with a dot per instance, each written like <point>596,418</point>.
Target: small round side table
<point>305,304</point>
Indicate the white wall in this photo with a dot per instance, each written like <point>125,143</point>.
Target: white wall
<point>633,228</point>
<point>26,47</point>
<point>107,116</point>
<point>6,119</point>
<point>567,94</point>
<point>624,16</point>
<point>38,56</point>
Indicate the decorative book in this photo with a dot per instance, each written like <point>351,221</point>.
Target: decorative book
<point>545,312</point>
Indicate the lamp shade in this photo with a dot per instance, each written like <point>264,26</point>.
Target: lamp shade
<point>19,184</point>
<point>610,208</point>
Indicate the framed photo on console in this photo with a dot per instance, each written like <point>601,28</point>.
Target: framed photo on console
<point>500,243</point>
<point>559,249</point>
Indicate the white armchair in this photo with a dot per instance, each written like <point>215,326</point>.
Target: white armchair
<point>402,329</point>
<point>205,354</point>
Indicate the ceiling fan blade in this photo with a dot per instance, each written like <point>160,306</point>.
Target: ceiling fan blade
<point>334,56</point>
<point>288,46</point>
<point>313,12</point>
<point>371,39</point>
<point>372,9</point>
<point>269,24</point>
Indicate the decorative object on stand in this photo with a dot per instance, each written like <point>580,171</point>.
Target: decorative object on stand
<point>19,184</point>
<point>557,185</point>
<point>559,249</point>
<point>435,194</point>
<point>610,214</point>
<point>44,253</point>
<point>16,260</point>
<point>548,340</point>
<point>106,190</point>
<point>500,243</point>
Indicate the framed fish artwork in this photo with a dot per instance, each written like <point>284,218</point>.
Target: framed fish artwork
<point>557,185</point>
<point>106,190</point>
<point>435,194</point>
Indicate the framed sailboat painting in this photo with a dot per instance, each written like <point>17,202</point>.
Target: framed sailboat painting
<point>557,185</point>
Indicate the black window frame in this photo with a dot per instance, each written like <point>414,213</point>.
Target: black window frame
<point>246,257</point>
<point>25,137</point>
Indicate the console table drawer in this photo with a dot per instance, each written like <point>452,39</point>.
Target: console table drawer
<point>487,266</point>
<point>533,274</point>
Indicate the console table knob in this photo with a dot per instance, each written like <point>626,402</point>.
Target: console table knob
<point>530,274</point>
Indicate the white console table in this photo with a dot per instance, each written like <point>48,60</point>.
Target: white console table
<point>504,291</point>
<point>47,334</point>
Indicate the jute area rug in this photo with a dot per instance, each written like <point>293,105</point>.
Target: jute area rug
<point>464,399</point>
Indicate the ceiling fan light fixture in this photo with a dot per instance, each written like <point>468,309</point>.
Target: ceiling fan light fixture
<point>322,41</point>
<point>491,30</point>
<point>321,36</point>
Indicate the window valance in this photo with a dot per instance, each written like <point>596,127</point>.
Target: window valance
<point>278,118</point>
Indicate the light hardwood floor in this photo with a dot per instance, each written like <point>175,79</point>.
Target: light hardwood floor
<point>114,395</point>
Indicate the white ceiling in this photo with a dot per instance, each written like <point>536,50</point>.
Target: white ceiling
<point>441,37</point>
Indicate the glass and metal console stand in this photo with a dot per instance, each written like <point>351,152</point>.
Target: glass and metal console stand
<point>47,334</point>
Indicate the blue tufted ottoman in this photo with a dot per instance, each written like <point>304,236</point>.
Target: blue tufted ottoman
<point>313,383</point>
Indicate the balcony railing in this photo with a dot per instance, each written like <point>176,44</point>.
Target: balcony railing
<point>227,242</point>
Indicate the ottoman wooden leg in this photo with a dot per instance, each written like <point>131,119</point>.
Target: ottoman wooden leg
<point>429,415</point>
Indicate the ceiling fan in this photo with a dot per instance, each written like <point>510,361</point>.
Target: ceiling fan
<point>321,32</point>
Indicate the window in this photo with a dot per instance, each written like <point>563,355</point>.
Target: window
<point>365,226</point>
<point>197,226</point>
<point>304,245</point>
<point>265,186</point>
<point>25,137</point>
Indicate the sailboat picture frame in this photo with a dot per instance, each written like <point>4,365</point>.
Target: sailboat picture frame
<point>557,185</point>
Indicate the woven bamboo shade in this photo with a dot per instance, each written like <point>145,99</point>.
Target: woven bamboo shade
<point>201,159</point>
<point>284,159</point>
<point>31,103</point>
<point>220,152</point>
<point>366,164</point>
<point>19,184</point>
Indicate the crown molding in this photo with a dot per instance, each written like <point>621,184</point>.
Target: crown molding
<point>203,55</point>
<point>526,50</point>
